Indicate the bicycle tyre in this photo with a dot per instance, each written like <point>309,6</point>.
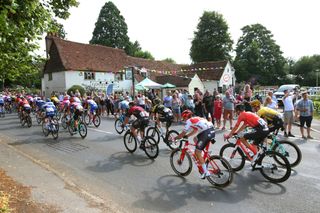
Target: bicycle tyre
<point>264,170</point>
<point>86,119</point>
<point>38,119</point>
<point>295,152</point>
<point>151,147</point>
<point>175,158</point>
<point>128,140</point>
<point>224,168</point>
<point>173,144</point>
<point>117,126</point>
<point>154,133</point>
<point>45,130</point>
<point>29,121</point>
<point>97,121</point>
<point>237,161</point>
<point>55,131</point>
<point>64,123</point>
<point>71,128</point>
<point>82,129</point>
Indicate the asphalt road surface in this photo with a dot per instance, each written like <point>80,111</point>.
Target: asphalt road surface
<point>101,166</point>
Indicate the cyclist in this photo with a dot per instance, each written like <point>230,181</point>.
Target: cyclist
<point>25,106</point>
<point>55,100</point>
<point>162,114</point>
<point>50,110</point>
<point>76,109</point>
<point>141,122</point>
<point>273,117</point>
<point>1,103</point>
<point>252,120</point>
<point>123,105</point>
<point>92,106</point>
<point>205,133</point>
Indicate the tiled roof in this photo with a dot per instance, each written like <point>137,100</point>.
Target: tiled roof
<point>77,56</point>
<point>211,70</point>
<point>178,81</point>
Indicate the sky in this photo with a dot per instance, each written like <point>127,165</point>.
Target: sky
<point>166,27</point>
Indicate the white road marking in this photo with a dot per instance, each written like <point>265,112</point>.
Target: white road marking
<point>98,130</point>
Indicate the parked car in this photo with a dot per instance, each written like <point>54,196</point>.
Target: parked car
<point>314,91</point>
<point>290,87</point>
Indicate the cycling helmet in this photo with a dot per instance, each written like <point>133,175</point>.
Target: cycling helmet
<point>239,107</point>
<point>255,103</point>
<point>48,100</point>
<point>157,101</point>
<point>186,114</point>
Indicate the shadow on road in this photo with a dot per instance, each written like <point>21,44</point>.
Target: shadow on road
<point>173,192</point>
<point>117,160</point>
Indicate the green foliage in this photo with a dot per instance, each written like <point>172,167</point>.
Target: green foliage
<point>169,60</point>
<point>76,87</point>
<point>132,48</point>
<point>22,23</point>
<point>211,41</point>
<point>110,29</point>
<point>305,70</point>
<point>143,54</point>
<point>258,58</point>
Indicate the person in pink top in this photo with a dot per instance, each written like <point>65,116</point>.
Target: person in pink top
<point>218,110</point>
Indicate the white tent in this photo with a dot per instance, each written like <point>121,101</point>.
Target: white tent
<point>149,84</point>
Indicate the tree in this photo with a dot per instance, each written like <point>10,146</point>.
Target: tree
<point>258,58</point>
<point>305,70</point>
<point>144,54</point>
<point>169,60</point>
<point>110,29</point>
<point>21,24</point>
<point>211,41</point>
<point>132,48</point>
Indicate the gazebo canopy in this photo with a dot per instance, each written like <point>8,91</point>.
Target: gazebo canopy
<point>147,83</point>
<point>168,85</point>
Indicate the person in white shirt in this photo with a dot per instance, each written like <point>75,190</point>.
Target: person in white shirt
<point>288,116</point>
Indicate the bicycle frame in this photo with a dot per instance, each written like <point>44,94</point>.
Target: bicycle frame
<point>205,155</point>
<point>244,149</point>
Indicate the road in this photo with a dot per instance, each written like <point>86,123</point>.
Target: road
<point>101,167</point>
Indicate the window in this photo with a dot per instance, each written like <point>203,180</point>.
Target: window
<point>50,76</point>
<point>89,76</point>
<point>118,77</point>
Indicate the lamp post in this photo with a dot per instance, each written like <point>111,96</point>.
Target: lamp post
<point>317,71</point>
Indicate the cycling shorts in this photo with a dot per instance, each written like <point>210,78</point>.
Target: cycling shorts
<point>77,113</point>
<point>204,138</point>
<point>258,134</point>
<point>141,123</point>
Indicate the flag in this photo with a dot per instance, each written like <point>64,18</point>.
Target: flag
<point>109,89</point>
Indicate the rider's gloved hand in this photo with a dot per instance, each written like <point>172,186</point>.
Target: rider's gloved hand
<point>226,136</point>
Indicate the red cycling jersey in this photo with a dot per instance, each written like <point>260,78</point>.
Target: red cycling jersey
<point>137,111</point>
<point>249,119</point>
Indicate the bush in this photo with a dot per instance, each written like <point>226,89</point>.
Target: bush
<point>4,203</point>
<point>76,87</point>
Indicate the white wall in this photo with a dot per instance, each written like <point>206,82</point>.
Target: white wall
<point>195,83</point>
<point>228,77</point>
<point>56,84</point>
<point>210,85</point>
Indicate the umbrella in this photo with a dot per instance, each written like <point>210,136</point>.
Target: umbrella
<point>168,85</point>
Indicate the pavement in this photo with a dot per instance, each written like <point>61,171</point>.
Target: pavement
<point>52,187</point>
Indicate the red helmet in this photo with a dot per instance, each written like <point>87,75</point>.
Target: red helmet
<point>186,114</point>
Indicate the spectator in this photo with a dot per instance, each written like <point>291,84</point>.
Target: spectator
<point>176,104</point>
<point>270,103</point>
<point>189,103</point>
<point>198,107</point>
<point>208,101</point>
<point>288,109</point>
<point>218,110</point>
<point>228,108</point>
<point>167,101</point>
<point>273,97</point>
<point>305,107</point>
<point>141,100</point>
<point>247,98</point>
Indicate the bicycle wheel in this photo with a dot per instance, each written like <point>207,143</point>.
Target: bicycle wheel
<point>86,119</point>
<point>58,115</point>
<point>233,155</point>
<point>151,147</point>
<point>271,169</point>
<point>29,121</point>
<point>289,150</point>
<point>71,128</point>
<point>55,130</point>
<point>117,126</point>
<point>153,132</point>
<point>169,140</point>
<point>96,121</point>
<point>82,128</point>
<point>38,118</point>
<point>130,142</point>
<point>220,170</point>
<point>64,122</point>
<point>180,162</point>
<point>45,130</point>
